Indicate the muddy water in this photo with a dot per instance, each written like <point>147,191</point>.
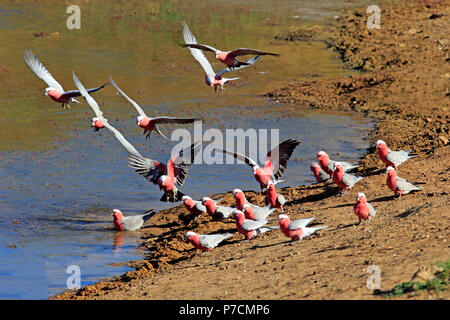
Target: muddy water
<point>60,180</point>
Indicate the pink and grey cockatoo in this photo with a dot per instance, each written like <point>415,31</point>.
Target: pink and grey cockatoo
<point>205,242</point>
<point>399,185</point>
<point>344,181</point>
<point>319,174</point>
<point>327,164</point>
<point>274,199</point>
<point>363,209</point>
<point>212,78</point>
<point>216,211</point>
<point>392,158</point>
<point>54,90</point>
<point>275,163</point>
<point>130,223</point>
<point>251,211</point>
<point>250,228</point>
<point>297,229</point>
<point>229,58</point>
<point>165,176</point>
<point>194,207</point>
<point>147,123</point>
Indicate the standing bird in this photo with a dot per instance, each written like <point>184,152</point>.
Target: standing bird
<point>344,181</point>
<point>392,158</point>
<point>216,211</point>
<point>297,229</point>
<point>319,174</point>
<point>229,58</point>
<point>212,79</point>
<point>194,207</point>
<point>251,211</point>
<point>165,176</point>
<point>274,199</point>
<point>55,91</point>
<point>205,242</point>
<point>147,123</point>
<point>250,228</point>
<point>274,165</point>
<point>327,164</point>
<point>399,185</point>
<point>363,209</point>
<point>130,223</point>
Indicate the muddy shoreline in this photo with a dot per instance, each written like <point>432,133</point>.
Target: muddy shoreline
<point>405,89</point>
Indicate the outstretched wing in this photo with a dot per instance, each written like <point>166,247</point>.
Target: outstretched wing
<point>252,163</point>
<point>148,168</point>
<point>172,120</point>
<point>138,108</point>
<point>76,93</point>
<point>198,55</point>
<point>178,165</point>
<point>245,51</point>
<point>199,46</point>
<point>89,99</point>
<point>248,63</point>
<point>278,157</point>
<point>38,68</point>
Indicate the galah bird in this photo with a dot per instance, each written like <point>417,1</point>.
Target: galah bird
<point>363,209</point>
<point>250,228</point>
<point>165,176</point>
<point>251,211</point>
<point>399,185</point>
<point>344,181</point>
<point>274,165</point>
<point>297,229</point>
<point>130,223</point>
<point>147,123</point>
<point>194,207</point>
<point>54,90</point>
<point>319,174</point>
<point>392,158</point>
<point>216,211</point>
<point>327,164</point>
<point>274,199</point>
<point>212,79</point>
<point>226,57</point>
<point>205,242</point>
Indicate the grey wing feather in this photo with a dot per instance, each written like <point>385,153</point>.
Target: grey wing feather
<point>38,68</point>
<point>350,180</point>
<point>372,211</point>
<point>199,46</point>
<point>197,53</point>
<point>253,224</point>
<point>299,223</point>
<point>280,155</point>
<point>249,63</point>
<point>133,222</point>
<point>212,240</point>
<point>128,146</point>
<point>406,186</point>
<point>252,163</point>
<point>145,167</point>
<point>199,206</point>
<point>398,157</point>
<point>138,107</point>
<point>281,199</point>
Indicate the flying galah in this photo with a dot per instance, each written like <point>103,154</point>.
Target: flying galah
<point>363,209</point>
<point>272,198</point>
<point>297,229</point>
<point>54,90</point>
<point>327,164</point>
<point>319,174</point>
<point>251,211</point>
<point>399,185</point>
<point>216,211</point>
<point>274,165</point>
<point>165,176</point>
<point>205,242</point>
<point>130,223</point>
<point>250,228</point>
<point>344,181</point>
<point>392,158</point>
<point>226,57</point>
<point>194,207</point>
<point>212,78</point>
<point>147,123</point>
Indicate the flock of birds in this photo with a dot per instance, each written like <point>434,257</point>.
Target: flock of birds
<point>251,220</point>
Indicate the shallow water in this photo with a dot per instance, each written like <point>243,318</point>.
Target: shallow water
<point>60,180</point>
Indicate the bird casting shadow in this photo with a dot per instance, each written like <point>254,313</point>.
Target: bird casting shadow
<point>314,197</point>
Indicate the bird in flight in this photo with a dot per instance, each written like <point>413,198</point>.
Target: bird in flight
<point>147,123</point>
<point>54,90</point>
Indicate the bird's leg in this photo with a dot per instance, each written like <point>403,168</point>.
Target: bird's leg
<point>221,89</point>
<point>204,253</point>
<point>215,88</point>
